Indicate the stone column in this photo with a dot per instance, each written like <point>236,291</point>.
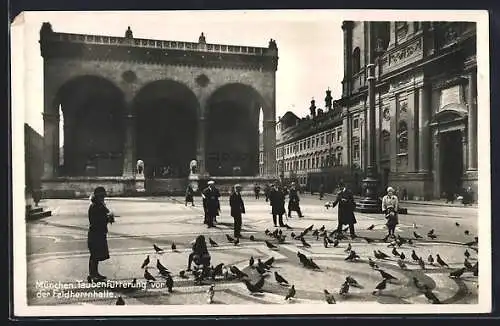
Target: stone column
<point>424,136</point>
<point>269,140</point>
<point>201,146</point>
<point>129,146</point>
<point>472,124</point>
<point>394,134</point>
<point>412,136</point>
<point>50,145</point>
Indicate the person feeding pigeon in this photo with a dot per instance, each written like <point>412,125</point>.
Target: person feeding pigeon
<point>200,254</point>
<point>346,203</point>
<point>390,205</point>
<point>99,217</point>
<point>237,208</point>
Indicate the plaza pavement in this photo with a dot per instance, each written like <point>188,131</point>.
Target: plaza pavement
<point>57,252</point>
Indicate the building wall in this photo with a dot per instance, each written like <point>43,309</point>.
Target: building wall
<point>33,153</point>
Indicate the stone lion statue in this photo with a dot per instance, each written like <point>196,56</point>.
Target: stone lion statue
<point>193,166</point>
<point>140,167</point>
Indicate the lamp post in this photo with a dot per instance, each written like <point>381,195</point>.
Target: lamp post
<point>371,202</point>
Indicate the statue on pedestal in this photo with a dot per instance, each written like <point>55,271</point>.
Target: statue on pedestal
<point>128,33</point>
<point>202,39</point>
<point>193,167</point>
<point>312,108</point>
<point>140,167</point>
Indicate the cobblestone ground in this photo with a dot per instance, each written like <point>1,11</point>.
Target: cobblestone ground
<point>57,252</point>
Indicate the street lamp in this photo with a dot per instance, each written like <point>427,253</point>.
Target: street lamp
<point>371,202</point>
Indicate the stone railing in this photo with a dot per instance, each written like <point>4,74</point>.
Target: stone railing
<point>156,44</point>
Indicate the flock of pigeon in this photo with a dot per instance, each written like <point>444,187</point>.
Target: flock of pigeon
<point>329,239</point>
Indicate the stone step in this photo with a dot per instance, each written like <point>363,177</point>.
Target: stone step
<point>38,215</point>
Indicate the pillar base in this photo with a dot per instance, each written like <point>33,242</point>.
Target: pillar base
<point>140,183</point>
<point>371,203</point>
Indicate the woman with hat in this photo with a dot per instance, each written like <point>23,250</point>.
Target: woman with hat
<point>237,208</point>
<point>99,217</point>
<point>390,206</point>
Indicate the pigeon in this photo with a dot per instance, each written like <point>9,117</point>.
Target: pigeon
<point>430,232</point>
<point>329,298</point>
<point>217,270</point>
<point>235,270</point>
<point>120,301</point>
<point>280,279</point>
<point>467,264</point>
<point>421,263</point>
<point>330,241</point>
<point>292,235</point>
<point>160,266</point>
<point>430,259</point>
<point>212,242</point>
<point>349,247</point>
<point>431,296</point>
<point>402,256</point>
<point>432,236</point>
<point>371,227</point>
<point>386,275</point>
<point>304,243</point>
<point>457,224</point>
<point>270,245</point>
<point>457,272</point>
<point>174,247</point>
<point>269,262</point>
<point>145,262</point>
<point>169,283</point>
<point>315,232</point>
<point>410,241</point>
<point>401,264</point>
<point>466,232</point>
<point>261,265</point>
<point>441,261</point>
<point>322,228</point>
<point>260,270</point>
<point>308,229</point>
<point>352,256</point>
<point>157,249</point>
<point>381,286</point>
<point>344,289</point>
<point>467,254</point>
<point>267,232</point>
<point>251,261</point>
<point>372,263</point>
<point>353,282</point>
<point>252,238</point>
<point>281,239</point>
<point>148,276</point>
<point>325,242</point>
<point>382,255</point>
<point>335,243</point>
<point>182,274</point>
<point>395,252</point>
<point>414,255</point>
<point>253,288</point>
<point>237,241</point>
<point>291,293</point>
<point>416,235</point>
<point>210,294</point>
<point>302,257</point>
<point>229,238</point>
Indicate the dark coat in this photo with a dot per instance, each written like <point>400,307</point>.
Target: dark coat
<point>98,229</point>
<point>189,194</point>
<point>237,205</point>
<point>346,203</point>
<point>277,201</point>
<point>211,202</point>
<point>293,200</point>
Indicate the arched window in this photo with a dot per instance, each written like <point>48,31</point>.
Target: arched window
<point>402,137</point>
<point>356,64</point>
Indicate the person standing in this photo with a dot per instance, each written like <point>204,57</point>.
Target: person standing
<point>189,195</point>
<point>277,201</point>
<point>237,209</point>
<point>256,190</point>
<point>267,191</point>
<point>346,203</point>
<point>321,191</point>
<point>212,205</point>
<point>294,201</point>
<point>390,207</point>
<point>99,217</point>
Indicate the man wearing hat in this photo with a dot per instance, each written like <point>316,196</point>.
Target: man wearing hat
<point>211,203</point>
<point>99,217</point>
<point>277,201</point>
<point>293,201</point>
<point>237,208</point>
<point>346,203</point>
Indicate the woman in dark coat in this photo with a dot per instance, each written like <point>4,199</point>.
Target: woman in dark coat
<point>200,254</point>
<point>277,201</point>
<point>189,195</point>
<point>99,217</point>
<point>346,203</point>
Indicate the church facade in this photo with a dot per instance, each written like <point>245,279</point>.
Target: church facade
<point>425,104</point>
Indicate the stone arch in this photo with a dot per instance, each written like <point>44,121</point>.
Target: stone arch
<point>232,114</point>
<point>93,108</point>
<point>166,113</point>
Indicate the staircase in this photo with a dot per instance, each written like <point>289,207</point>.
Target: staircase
<point>36,213</point>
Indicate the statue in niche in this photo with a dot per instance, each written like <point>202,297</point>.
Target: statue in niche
<point>193,167</point>
<point>140,167</point>
<point>272,44</point>
<point>128,33</point>
<point>202,39</point>
<point>312,108</point>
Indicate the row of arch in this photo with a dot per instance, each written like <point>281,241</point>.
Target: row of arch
<point>166,128</point>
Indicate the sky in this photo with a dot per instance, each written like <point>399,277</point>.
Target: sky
<point>310,46</point>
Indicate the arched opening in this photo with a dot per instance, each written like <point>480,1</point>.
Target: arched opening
<point>233,131</point>
<point>91,127</point>
<point>166,128</point>
<point>356,63</point>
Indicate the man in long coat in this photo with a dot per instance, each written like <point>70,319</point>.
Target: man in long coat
<point>293,201</point>
<point>277,201</point>
<point>211,203</point>
<point>237,208</point>
<point>346,203</point>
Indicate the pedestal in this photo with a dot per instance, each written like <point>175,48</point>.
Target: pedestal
<point>371,202</point>
<point>194,181</point>
<point>139,183</point>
